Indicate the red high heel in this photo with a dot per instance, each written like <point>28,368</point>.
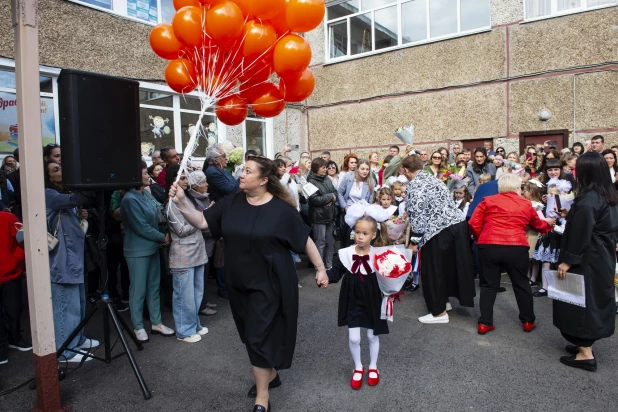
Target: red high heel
<point>357,384</point>
<point>528,327</point>
<point>483,329</point>
<point>373,381</point>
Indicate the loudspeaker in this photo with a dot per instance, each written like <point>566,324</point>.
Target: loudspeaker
<point>99,131</point>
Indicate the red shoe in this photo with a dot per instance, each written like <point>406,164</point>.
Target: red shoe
<point>373,381</point>
<point>483,329</point>
<point>528,327</point>
<point>357,384</point>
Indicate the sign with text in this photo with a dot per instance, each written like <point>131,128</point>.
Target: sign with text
<point>9,130</point>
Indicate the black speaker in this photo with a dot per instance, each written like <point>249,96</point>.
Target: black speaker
<point>99,131</point>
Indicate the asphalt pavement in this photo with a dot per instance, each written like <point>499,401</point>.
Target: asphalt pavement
<point>447,367</point>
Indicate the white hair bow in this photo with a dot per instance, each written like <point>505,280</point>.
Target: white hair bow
<point>362,208</point>
<point>536,183</point>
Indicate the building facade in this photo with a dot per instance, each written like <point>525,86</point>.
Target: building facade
<point>457,70</point>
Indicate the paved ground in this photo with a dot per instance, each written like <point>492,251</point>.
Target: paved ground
<point>424,367</point>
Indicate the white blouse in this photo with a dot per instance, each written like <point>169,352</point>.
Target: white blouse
<point>355,193</point>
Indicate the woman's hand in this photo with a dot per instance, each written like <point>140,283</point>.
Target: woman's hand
<point>544,198</point>
<point>177,194</point>
<point>562,212</point>
<point>413,248</point>
<point>321,278</point>
<point>83,214</point>
<point>168,239</point>
<point>563,268</point>
<point>550,221</point>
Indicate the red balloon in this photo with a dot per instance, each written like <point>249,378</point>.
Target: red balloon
<point>224,21</point>
<point>180,75</point>
<point>179,4</point>
<point>266,9</point>
<point>163,41</point>
<point>251,89</point>
<point>269,102</point>
<point>232,110</point>
<point>292,55</point>
<point>304,15</point>
<point>243,5</point>
<point>297,88</point>
<point>259,37</point>
<point>188,24</point>
<point>280,23</point>
<point>256,70</point>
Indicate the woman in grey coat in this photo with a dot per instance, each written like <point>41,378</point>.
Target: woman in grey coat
<point>355,187</point>
<point>479,166</point>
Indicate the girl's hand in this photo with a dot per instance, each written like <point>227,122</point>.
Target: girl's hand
<point>563,268</point>
<point>550,221</point>
<point>413,248</point>
<point>177,194</point>
<point>321,278</point>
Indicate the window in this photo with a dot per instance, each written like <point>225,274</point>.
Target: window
<point>357,27</point>
<point>9,130</point>
<point>144,11</point>
<point>538,9</point>
<point>255,134</point>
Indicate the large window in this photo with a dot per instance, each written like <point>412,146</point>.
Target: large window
<point>357,27</point>
<point>538,9</point>
<point>145,11</point>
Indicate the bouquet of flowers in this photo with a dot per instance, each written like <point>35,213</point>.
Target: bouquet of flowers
<point>234,159</point>
<point>559,197</point>
<point>406,134</point>
<point>392,266</point>
<point>396,227</point>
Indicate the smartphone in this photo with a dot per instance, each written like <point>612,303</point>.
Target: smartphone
<point>294,147</point>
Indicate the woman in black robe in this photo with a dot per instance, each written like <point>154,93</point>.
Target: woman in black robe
<point>589,249</point>
<point>261,225</point>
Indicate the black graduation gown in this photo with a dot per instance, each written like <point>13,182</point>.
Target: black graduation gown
<point>260,273</point>
<point>359,300</point>
<point>589,246</point>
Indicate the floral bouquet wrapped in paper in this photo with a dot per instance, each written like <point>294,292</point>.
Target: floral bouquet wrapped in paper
<point>234,159</point>
<point>396,227</point>
<point>406,134</point>
<point>392,269</point>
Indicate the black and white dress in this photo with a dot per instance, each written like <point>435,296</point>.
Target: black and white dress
<point>360,297</point>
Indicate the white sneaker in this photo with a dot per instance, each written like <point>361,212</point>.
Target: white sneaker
<point>449,307</point>
<point>433,319</point>
<point>202,331</point>
<point>208,311</point>
<point>191,339</point>
<point>211,305</point>
<point>79,357</point>
<point>162,330</point>
<point>2,362</point>
<point>141,335</point>
<point>89,343</point>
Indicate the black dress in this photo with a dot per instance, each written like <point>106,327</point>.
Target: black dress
<point>589,246</point>
<point>260,273</point>
<point>360,297</point>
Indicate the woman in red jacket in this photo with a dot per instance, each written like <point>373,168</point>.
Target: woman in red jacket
<point>499,225</point>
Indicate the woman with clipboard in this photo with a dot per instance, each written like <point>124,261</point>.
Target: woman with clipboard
<point>589,249</point>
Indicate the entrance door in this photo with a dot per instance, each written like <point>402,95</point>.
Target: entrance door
<point>473,144</point>
<point>558,138</point>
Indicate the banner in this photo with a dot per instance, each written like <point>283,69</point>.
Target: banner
<point>9,130</point>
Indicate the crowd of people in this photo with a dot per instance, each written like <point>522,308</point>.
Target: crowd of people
<point>490,212</point>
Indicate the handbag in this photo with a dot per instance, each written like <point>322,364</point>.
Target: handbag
<point>52,240</point>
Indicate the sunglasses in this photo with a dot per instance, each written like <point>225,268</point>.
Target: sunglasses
<point>500,151</point>
<point>332,167</point>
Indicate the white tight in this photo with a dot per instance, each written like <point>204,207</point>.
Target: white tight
<point>355,349</point>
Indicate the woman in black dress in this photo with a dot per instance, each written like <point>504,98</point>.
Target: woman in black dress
<point>589,249</point>
<point>261,225</point>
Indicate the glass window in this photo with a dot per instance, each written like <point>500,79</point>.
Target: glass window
<point>255,136</point>
<point>442,17</point>
<point>7,80</point>
<point>167,11</point>
<point>595,3</point>
<point>414,21</point>
<point>209,124</point>
<point>474,14</point>
<point>105,4</point>
<point>568,4</point>
<point>342,9</point>
<point>9,130</point>
<point>338,35</point>
<point>360,33</point>
<point>372,4</point>
<point>190,103</point>
<point>545,8</point>
<point>156,99</point>
<point>156,129</point>
<point>386,28</point>
<point>145,10</point>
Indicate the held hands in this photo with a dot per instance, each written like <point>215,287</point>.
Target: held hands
<point>563,268</point>
<point>168,239</point>
<point>321,278</point>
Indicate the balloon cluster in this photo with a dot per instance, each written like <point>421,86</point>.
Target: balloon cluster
<point>228,50</point>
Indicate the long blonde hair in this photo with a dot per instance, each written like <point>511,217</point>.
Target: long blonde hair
<point>368,179</point>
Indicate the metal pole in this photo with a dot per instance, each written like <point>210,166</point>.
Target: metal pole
<point>25,26</point>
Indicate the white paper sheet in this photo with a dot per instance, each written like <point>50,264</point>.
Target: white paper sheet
<point>571,289</point>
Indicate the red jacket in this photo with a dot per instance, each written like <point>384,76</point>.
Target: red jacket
<point>502,219</point>
<point>11,255</point>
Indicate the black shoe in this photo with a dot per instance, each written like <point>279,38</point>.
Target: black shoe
<point>275,383</point>
<point>572,349</point>
<point>587,364</point>
<point>540,293</point>
<point>414,287</point>
<point>223,296</point>
<point>260,408</point>
<point>20,345</point>
<point>120,307</point>
<point>501,289</point>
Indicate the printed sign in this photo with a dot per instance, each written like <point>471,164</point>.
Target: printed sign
<point>9,130</point>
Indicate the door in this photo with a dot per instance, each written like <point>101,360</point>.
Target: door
<point>558,138</point>
<point>473,144</point>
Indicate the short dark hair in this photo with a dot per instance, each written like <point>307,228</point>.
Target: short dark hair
<point>465,150</point>
<point>332,162</point>
<point>47,149</point>
<point>250,153</point>
<point>613,147</point>
<point>413,163</point>
<point>394,147</point>
<point>598,137</point>
<point>16,154</point>
<point>388,159</point>
<point>144,165</point>
<point>327,153</point>
<point>316,164</point>
<point>152,167</point>
<point>164,151</point>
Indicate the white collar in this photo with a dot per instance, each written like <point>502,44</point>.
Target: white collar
<point>345,256</point>
<point>392,210</point>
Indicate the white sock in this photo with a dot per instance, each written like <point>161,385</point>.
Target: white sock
<point>374,351</point>
<point>355,350</point>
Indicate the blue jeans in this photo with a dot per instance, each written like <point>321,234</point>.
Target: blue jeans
<point>188,292</point>
<point>69,305</point>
